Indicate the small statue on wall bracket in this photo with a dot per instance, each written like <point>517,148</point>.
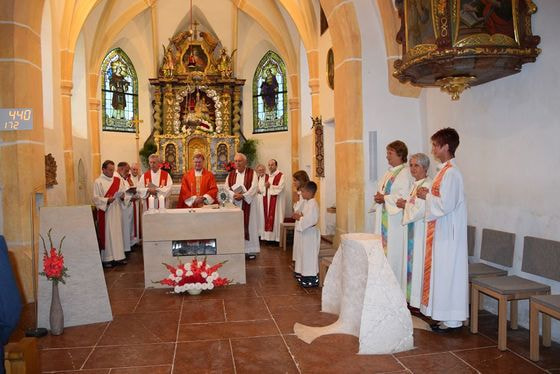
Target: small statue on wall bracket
<point>50,171</point>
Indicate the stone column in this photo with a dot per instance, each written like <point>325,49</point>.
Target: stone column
<point>94,108</point>
<point>66,62</point>
<point>349,148</point>
<point>313,62</point>
<point>22,153</point>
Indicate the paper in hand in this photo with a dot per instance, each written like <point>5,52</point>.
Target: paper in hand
<point>131,190</point>
<point>151,185</point>
<point>239,189</point>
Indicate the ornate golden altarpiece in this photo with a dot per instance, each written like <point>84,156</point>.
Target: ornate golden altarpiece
<point>197,104</point>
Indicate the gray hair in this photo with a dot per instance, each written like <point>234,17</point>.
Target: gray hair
<point>422,159</point>
<point>152,156</point>
<point>242,155</point>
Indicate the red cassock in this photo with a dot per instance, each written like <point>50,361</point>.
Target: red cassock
<point>188,187</point>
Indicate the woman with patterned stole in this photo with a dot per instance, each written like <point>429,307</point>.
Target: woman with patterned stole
<point>394,185</point>
<point>414,239</point>
<point>445,281</point>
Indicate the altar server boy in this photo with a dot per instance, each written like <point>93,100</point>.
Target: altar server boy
<point>307,263</point>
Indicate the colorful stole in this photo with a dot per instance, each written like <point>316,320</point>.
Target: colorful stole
<point>270,213</point>
<point>384,215</point>
<point>129,180</point>
<point>148,180</point>
<point>430,239</point>
<point>410,247</point>
<point>113,189</point>
<point>244,206</point>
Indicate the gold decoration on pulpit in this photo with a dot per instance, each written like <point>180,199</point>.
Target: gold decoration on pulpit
<point>197,101</point>
<point>456,44</point>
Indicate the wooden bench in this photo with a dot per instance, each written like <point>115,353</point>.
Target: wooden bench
<point>22,357</point>
<point>324,264</point>
<point>549,306</point>
<point>284,228</point>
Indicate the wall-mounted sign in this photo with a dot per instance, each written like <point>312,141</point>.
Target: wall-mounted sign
<point>16,119</point>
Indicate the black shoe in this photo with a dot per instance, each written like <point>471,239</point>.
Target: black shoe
<point>107,265</point>
<point>249,256</point>
<point>442,329</point>
<point>121,262</point>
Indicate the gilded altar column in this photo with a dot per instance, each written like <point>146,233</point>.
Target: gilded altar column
<point>22,153</point>
<point>236,118</point>
<point>66,60</point>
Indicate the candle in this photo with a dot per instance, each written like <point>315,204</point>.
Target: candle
<point>151,202</point>
<point>161,201</point>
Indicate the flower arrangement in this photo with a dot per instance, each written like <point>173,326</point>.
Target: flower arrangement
<point>230,166</point>
<point>196,275</point>
<point>165,166</point>
<point>53,261</point>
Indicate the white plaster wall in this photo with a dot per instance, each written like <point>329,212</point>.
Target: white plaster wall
<point>306,150</point>
<point>136,41</point>
<point>79,91</point>
<point>391,116</point>
<point>509,150</point>
<point>253,44</point>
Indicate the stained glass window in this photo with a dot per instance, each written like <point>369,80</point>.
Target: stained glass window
<point>119,92</point>
<point>270,95</point>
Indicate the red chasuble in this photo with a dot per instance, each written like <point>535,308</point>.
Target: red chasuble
<point>101,214</point>
<point>244,206</point>
<point>270,213</point>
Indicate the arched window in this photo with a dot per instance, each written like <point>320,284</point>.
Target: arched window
<point>119,92</point>
<point>270,95</point>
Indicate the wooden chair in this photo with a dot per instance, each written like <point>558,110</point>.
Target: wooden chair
<point>324,264</point>
<point>471,236</point>
<point>549,306</point>
<point>22,357</point>
<point>537,259</point>
<point>496,247</point>
<point>284,228</point>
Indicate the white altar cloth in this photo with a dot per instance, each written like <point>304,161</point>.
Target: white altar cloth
<point>361,288</point>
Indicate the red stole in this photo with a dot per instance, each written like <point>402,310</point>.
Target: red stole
<point>244,206</point>
<point>129,180</point>
<point>113,189</point>
<point>270,213</point>
<point>148,180</point>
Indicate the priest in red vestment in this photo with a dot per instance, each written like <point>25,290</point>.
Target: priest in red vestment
<point>198,186</point>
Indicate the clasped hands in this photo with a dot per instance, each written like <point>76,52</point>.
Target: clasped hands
<point>297,216</point>
<point>238,196</point>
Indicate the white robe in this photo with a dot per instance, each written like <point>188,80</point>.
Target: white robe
<point>307,263</point>
<point>138,204</point>
<point>414,213</point>
<point>114,246</point>
<point>260,208</point>
<point>252,245</point>
<point>298,206</point>
<point>449,282</point>
<point>278,191</point>
<point>161,191</point>
<point>396,251</point>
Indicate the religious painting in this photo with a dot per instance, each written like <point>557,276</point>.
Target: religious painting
<point>270,104</point>
<point>330,69</point>
<point>195,58</point>
<point>119,92</point>
<point>197,111</point>
<point>222,153</point>
<point>171,156</point>
<point>420,26</point>
<point>485,17</point>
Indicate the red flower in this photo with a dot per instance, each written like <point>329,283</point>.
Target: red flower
<point>53,261</point>
<point>194,273</point>
<point>230,166</point>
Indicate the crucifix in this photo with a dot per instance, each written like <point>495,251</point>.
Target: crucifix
<point>136,122</point>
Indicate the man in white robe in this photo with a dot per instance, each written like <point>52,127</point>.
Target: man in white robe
<point>307,263</point>
<point>242,185</point>
<point>446,277</point>
<point>394,185</point>
<point>260,169</point>
<point>273,202</point>
<point>135,175</point>
<point>414,236</point>
<point>108,196</point>
<point>155,182</point>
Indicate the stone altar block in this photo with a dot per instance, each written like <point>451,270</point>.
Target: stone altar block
<point>162,229</point>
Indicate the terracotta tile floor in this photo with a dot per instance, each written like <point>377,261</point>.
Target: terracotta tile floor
<point>249,329</point>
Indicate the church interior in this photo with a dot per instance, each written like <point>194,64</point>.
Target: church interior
<point>317,85</point>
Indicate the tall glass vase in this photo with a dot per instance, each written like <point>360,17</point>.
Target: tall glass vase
<point>56,317</point>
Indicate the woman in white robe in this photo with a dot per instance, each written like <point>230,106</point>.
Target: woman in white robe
<point>446,277</point>
<point>414,238</point>
<point>394,185</point>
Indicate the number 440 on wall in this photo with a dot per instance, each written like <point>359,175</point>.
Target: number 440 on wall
<point>16,119</point>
